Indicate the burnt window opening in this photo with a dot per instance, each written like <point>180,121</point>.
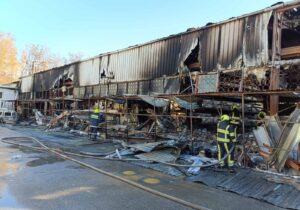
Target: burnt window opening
<point>188,82</point>
<point>103,74</point>
<point>64,80</point>
<point>192,61</point>
<point>290,38</point>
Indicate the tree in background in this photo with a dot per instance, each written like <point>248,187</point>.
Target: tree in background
<point>8,59</point>
<point>36,58</point>
<point>74,57</point>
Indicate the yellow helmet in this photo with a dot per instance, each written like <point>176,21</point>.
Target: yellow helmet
<point>233,107</point>
<point>97,110</point>
<point>224,117</point>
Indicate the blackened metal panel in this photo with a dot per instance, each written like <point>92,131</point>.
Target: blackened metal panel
<point>46,80</point>
<point>145,62</point>
<point>209,48</point>
<point>256,40</point>
<point>231,44</point>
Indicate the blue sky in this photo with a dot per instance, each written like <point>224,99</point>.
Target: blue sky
<point>97,26</point>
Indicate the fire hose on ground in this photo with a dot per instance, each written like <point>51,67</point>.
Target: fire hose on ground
<point>137,185</point>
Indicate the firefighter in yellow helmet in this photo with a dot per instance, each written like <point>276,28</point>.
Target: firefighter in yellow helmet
<point>235,121</point>
<point>225,136</point>
<point>95,118</point>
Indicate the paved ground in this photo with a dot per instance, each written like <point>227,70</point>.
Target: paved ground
<point>32,180</point>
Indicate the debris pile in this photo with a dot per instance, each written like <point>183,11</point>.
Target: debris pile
<point>278,144</point>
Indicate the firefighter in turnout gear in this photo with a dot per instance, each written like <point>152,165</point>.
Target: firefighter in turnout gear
<point>95,118</point>
<point>235,121</point>
<point>225,137</point>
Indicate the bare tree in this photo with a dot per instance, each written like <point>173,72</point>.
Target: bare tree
<point>73,57</point>
<point>36,58</point>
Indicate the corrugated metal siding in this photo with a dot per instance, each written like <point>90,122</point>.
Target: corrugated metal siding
<point>89,72</point>
<point>145,62</point>
<point>26,84</point>
<point>231,43</point>
<point>45,80</point>
<point>256,39</point>
<point>209,48</point>
<point>222,46</point>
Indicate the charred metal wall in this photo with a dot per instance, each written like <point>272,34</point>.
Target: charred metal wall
<point>221,46</point>
<point>47,80</point>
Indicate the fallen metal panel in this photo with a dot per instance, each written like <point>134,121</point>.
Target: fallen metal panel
<point>249,183</point>
<point>208,83</point>
<point>166,155</point>
<point>288,140</point>
<point>26,84</point>
<point>148,147</point>
<point>157,102</point>
<point>262,138</point>
<point>185,104</point>
<point>210,178</point>
<point>89,72</point>
<point>275,129</point>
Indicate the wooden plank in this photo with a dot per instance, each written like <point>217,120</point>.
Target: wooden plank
<point>290,52</point>
<point>293,164</point>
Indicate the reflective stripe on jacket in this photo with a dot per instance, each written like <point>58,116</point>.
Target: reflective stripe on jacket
<point>223,131</point>
<point>235,118</point>
<point>95,116</point>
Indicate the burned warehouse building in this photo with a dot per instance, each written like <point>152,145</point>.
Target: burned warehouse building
<point>163,103</point>
<point>177,87</point>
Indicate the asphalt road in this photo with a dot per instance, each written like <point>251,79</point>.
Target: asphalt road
<point>33,180</point>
